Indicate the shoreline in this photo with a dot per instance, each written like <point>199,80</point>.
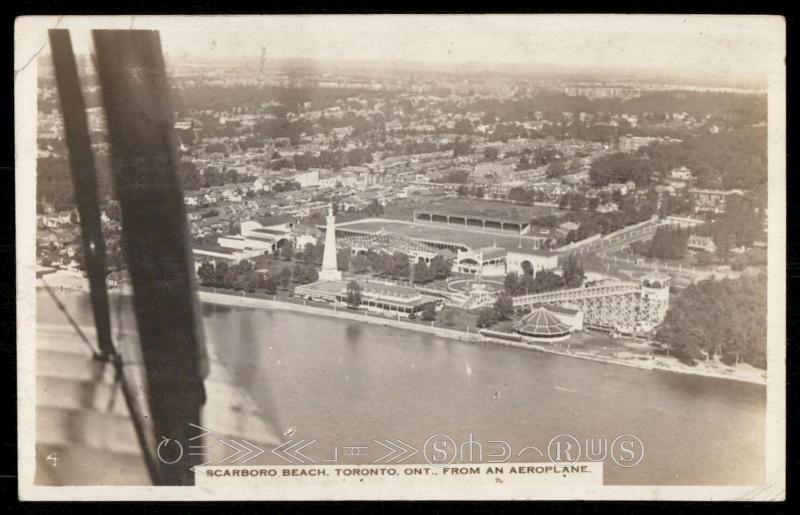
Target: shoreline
<point>227,299</point>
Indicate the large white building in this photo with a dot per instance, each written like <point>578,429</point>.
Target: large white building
<point>256,238</point>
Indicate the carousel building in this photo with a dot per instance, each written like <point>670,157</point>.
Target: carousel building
<point>541,325</point>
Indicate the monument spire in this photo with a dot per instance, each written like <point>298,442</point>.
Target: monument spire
<point>330,269</point>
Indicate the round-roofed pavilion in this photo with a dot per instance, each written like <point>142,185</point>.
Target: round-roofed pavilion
<point>542,326</point>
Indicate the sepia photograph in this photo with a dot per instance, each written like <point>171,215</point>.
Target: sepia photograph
<point>317,257</point>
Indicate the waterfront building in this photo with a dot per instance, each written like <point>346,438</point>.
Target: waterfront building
<point>375,295</point>
<point>541,325</point>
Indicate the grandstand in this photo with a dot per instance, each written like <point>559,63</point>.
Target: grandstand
<point>386,242</point>
<point>478,252</point>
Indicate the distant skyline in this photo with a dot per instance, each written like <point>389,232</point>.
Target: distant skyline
<point>731,50</point>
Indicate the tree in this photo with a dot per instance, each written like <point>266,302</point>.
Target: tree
<point>440,267</point>
<point>511,283</point>
<point>448,318</point>
<point>486,317</point>
<point>527,267</point>
<point>245,266</point>
<point>572,271</point>
<point>284,277</point>
<point>359,264</point>
<point>312,253</point>
<point>703,259</point>
<point>220,271</point>
<point>422,272</point>
<point>287,250</point>
<point>667,243</point>
<point>428,312</point>
<point>374,208</point>
<point>205,273</point>
<point>353,298</point>
<point>304,274</point>
<point>270,285</point>
<point>719,318</point>
<point>343,259</point>
<point>504,306</point>
<point>491,153</point>
<point>401,268</point>
<point>556,169</point>
<point>739,225</point>
<point>621,167</point>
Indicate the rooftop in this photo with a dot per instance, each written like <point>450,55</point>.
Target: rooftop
<point>390,293</point>
<point>266,230</point>
<point>213,248</point>
<point>540,322</point>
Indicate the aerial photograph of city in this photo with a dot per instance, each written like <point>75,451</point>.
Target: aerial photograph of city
<point>348,245</point>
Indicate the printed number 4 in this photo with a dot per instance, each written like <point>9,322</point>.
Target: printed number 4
<point>53,457</point>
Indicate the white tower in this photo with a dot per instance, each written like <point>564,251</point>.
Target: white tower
<point>330,270</point>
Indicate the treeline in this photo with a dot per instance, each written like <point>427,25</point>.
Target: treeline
<point>243,276</point>
<point>666,243</point>
<point>735,159</point>
<point>741,224</point>
<point>453,177</point>
<point>725,319</point>
<point>399,266</point>
<point>54,182</point>
<point>460,146</point>
<point>734,108</point>
<point>471,191</point>
<point>330,159</point>
<point>621,168</point>
<point>227,98</point>
<point>194,180</point>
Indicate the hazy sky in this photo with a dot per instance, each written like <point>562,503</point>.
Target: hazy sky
<point>729,47</point>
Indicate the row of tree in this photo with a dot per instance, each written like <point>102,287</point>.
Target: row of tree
<point>666,243</point>
<point>398,265</point>
<point>194,180</point>
<point>244,277</point>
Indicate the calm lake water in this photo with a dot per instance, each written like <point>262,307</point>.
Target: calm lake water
<point>346,384</point>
